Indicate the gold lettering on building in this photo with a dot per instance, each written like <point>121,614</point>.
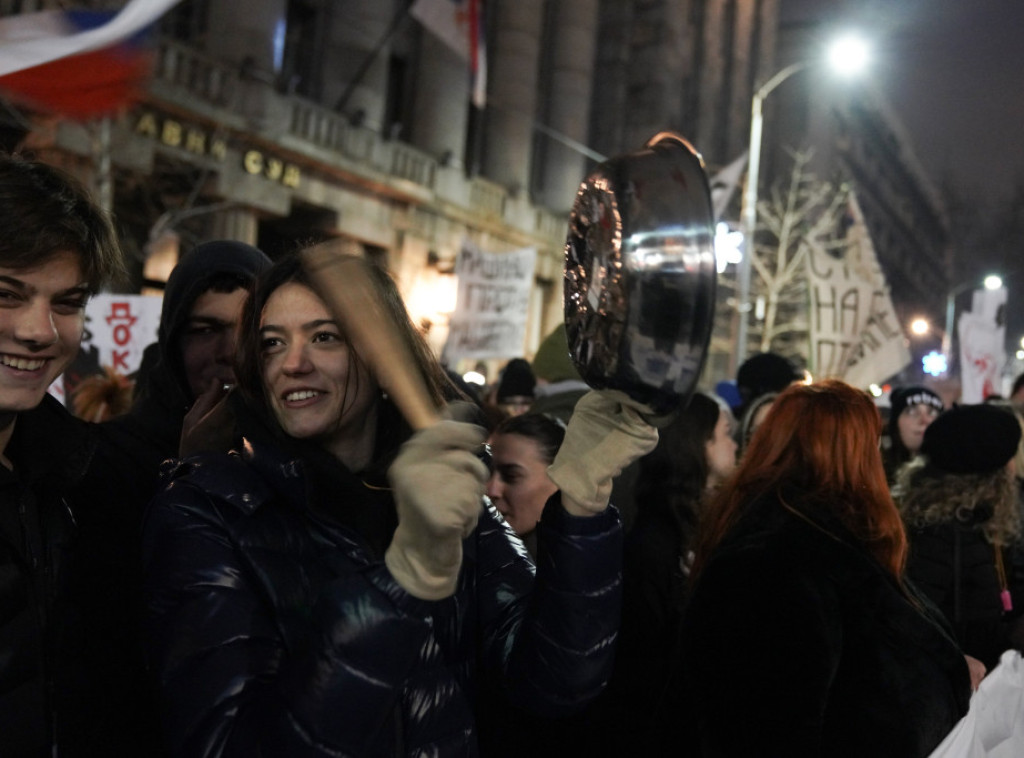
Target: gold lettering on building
<point>219,149</point>
<point>147,125</point>
<point>171,133</point>
<point>195,142</point>
<point>252,161</point>
<point>256,163</point>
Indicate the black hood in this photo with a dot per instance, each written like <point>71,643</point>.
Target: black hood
<point>190,279</point>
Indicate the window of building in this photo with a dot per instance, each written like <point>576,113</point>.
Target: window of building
<point>299,70</point>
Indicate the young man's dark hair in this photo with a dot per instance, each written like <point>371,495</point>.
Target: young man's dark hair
<point>56,248</point>
<point>44,211</point>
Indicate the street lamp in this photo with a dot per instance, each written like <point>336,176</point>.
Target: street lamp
<point>846,55</point>
<point>991,282</point>
<point>920,327</point>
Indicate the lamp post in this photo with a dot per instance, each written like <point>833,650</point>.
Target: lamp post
<point>846,54</point>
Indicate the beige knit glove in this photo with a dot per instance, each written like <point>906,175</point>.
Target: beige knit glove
<point>438,483</point>
<point>605,434</point>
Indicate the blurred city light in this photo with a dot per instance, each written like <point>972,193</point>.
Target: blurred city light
<point>920,326</point>
<point>934,363</point>
<point>727,246</point>
<point>993,282</point>
<point>849,55</point>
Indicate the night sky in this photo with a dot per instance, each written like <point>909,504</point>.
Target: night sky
<point>953,71</point>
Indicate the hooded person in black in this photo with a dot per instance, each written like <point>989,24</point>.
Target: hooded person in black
<point>185,371</point>
<point>166,387</point>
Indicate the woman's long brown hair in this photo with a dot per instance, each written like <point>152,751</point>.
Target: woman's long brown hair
<point>820,441</point>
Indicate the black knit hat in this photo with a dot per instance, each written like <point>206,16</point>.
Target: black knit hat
<point>904,397</point>
<point>972,439</point>
<point>765,372</point>
<point>517,381</point>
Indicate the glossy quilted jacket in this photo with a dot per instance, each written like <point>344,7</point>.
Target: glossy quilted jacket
<point>273,633</point>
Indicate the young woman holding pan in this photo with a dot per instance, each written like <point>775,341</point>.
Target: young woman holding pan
<point>336,586</point>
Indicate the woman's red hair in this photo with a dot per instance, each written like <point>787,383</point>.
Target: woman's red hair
<point>820,441</point>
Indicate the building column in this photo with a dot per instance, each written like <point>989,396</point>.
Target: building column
<point>611,68</point>
<point>574,46</point>
<point>246,36</point>
<point>239,224</point>
<point>512,91</point>
<point>355,30</point>
<point>711,81</point>
<point>441,104</point>
<point>746,35</point>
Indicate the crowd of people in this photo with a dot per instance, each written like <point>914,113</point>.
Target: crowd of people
<point>248,550</point>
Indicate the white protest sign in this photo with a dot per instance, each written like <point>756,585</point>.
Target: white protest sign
<point>117,330</point>
<point>982,335</point>
<point>120,327</point>
<point>489,320</point>
<point>854,332</point>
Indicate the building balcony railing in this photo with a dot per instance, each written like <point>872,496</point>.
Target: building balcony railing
<point>247,100</point>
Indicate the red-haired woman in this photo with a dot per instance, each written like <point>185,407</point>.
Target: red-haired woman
<point>802,637</point>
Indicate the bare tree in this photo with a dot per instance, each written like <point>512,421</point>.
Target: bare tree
<point>799,209</point>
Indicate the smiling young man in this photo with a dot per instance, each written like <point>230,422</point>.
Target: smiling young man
<point>56,248</point>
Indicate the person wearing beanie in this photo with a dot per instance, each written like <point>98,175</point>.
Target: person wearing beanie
<point>514,392</point>
<point>912,410</point>
<point>761,374</point>
<point>959,501</point>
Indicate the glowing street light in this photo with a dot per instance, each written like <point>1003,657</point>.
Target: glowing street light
<point>920,327</point>
<point>993,282</point>
<point>849,55</point>
<point>846,55</point>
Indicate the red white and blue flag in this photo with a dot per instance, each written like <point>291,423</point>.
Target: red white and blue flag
<point>460,25</point>
<point>78,63</point>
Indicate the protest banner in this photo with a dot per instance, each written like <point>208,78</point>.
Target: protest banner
<point>492,303</point>
<point>854,332</point>
<point>117,330</point>
<point>982,336</point>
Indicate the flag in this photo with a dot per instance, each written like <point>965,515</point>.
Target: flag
<point>460,25</point>
<point>78,63</point>
<point>855,334</point>
<point>724,183</point>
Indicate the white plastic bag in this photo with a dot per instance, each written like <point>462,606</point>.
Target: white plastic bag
<point>994,724</point>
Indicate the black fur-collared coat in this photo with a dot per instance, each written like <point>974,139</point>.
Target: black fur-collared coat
<point>798,643</point>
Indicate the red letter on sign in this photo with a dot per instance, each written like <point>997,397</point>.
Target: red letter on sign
<point>122,320</point>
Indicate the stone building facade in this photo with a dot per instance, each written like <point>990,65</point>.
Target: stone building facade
<point>279,122</point>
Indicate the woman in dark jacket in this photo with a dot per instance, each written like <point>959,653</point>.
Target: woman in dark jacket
<point>695,454</point>
<point>802,637</point>
<point>334,587</point>
<point>959,500</point>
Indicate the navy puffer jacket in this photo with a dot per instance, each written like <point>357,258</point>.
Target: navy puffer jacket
<point>275,631</point>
